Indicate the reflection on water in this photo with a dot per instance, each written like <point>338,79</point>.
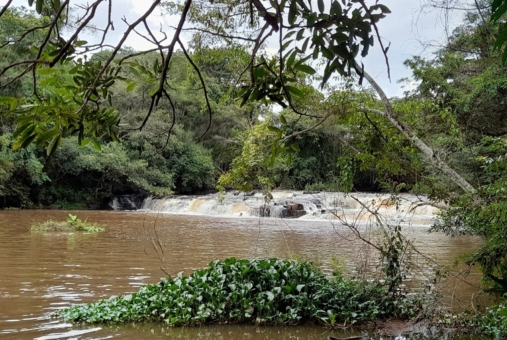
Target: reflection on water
<point>42,272</point>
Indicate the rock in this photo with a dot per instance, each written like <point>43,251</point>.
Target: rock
<point>294,206</point>
<point>286,213</point>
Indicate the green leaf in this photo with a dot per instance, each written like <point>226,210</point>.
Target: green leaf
<point>315,54</point>
<point>38,6</point>
<point>286,44</point>
<point>292,12</point>
<point>25,138</point>
<point>245,97</point>
<point>46,71</point>
<point>85,142</point>
<point>20,130</point>
<point>320,3</point>
<point>79,43</point>
<point>274,129</point>
<point>300,34</point>
<point>503,312</point>
<point>47,135</point>
<point>295,91</point>
<point>11,101</point>
<point>131,87</point>
<point>53,145</point>
<point>96,145</point>
<point>134,71</point>
<point>254,95</point>
<point>27,141</point>
<point>291,59</point>
<point>283,120</point>
<point>56,5</point>
<point>288,35</point>
<point>327,53</point>
<point>305,68</point>
<point>384,8</point>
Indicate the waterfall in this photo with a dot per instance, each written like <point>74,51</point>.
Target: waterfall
<point>127,202</point>
<point>401,209</point>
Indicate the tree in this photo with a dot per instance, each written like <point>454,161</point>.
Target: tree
<point>338,32</point>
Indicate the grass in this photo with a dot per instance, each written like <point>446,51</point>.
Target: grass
<point>72,224</point>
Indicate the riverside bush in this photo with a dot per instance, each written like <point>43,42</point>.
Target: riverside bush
<point>262,291</point>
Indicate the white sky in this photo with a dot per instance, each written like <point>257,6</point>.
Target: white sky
<point>406,28</point>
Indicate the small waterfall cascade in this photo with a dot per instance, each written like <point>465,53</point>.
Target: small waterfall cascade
<point>353,207</point>
<point>127,202</point>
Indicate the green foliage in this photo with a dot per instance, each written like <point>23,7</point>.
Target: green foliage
<point>494,321</point>
<point>61,113</point>
<point>19,171</point>
<point>261,291</point>
<point>252,168</point>
<point>73,223</point>
<point>484,214</point>
<point>109,171</point>
<point>14,22</point>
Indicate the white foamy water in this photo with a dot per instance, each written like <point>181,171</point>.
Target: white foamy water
<point>356,207</point>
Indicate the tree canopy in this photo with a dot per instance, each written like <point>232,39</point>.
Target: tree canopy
<point>337,32</point>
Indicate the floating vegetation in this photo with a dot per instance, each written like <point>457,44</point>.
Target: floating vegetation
<point>72,224</point>
<point>251,291</point>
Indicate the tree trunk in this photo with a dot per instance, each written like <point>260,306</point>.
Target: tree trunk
<point>423,147</point>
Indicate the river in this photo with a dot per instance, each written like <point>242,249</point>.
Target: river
<point>42,272</point>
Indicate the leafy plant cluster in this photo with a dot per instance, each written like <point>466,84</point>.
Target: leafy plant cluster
<point>73,223</point>
<point>263,291</point>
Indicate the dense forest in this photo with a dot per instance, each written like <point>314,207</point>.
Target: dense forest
<point>78,128</point>
<point>457,109</point>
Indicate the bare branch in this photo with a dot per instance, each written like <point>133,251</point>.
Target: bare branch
<point>203,83</point>
<point>65,48</point>
<point>24,35</point>
<point>4,9</point>
<point>115,51</point>
<point>44,43</point>
<point>156,97</point>
<point>173,122</point>
<point>384,49</point>
<point>225,36</point>
<point>268,17</point>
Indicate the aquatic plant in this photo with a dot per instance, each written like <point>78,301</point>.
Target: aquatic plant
<point>73,223</point>
<point>262,291</point>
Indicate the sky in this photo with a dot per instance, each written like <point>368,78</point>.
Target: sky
<point>411,29</point>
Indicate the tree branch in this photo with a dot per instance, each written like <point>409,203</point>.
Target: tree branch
<point>423,147</point>
<point>203,83</point>
<point>4,9</point>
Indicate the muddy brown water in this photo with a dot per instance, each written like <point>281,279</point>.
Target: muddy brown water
<point>42,272</point>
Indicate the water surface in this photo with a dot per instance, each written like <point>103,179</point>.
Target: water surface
<point>42,272</point>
